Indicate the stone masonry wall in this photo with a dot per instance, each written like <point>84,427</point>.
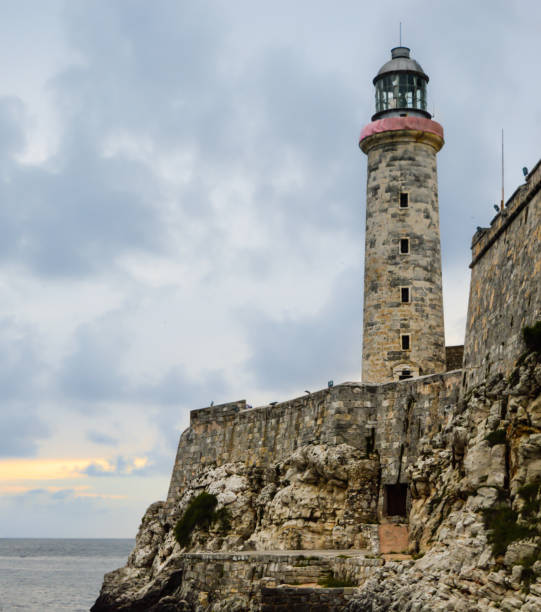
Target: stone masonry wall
<point>505,290</point>
<point>243,581</point>
<point>402,161</point>
<point>389,418</point>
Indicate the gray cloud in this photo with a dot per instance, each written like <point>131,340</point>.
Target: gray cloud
<point>76,218</point>
<point>255,110</point>
<point>21,386</point>
<point>93,372</point>
<point>65,513</point>
<point>121,466</point>
<point>22,428</point>
<point>98,437</point>
<point>293,353</point>
<point>12,123</point>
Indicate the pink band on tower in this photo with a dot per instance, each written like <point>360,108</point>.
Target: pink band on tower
<point>390,124</point>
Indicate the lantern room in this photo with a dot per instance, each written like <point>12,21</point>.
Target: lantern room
<point>401,87</point>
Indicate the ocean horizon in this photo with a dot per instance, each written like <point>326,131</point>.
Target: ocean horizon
<point>57,573</point>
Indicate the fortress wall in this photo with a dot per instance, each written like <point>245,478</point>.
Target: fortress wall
<point>390,417</point>
<point>505,290</point>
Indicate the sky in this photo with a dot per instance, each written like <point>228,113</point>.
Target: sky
<point>182,204</point>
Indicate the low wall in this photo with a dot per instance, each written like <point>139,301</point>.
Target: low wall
<point>389,418</point>
<point>269,579</point>
<point>304,599</point>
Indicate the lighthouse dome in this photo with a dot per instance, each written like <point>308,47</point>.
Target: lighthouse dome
<point>401,86</point>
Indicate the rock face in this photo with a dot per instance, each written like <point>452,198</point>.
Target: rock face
<point>319,498</point>
<point>482,472</point>
<point>473,522</point>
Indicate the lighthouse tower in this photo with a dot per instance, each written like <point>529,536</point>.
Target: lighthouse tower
<point>403,333</point>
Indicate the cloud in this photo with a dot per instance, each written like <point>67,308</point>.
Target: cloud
<point>291,353</point>
<point>76,218</point>
<point>40,469</point>
<point>97,370</point>
<point>22,429</point>
<point>12,126</point>
<point>92,372</point>
<point>19,362</point>
<point>21,374</point>
<point>190,228</point>
<point>98,437</point>
<point>120,466</point>
<point>65,513</point>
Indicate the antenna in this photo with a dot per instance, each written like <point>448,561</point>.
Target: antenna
<point>400,35</point>
<point>503,198</point>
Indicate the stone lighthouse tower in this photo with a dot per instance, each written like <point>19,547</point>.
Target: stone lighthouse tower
<point>403,333</point>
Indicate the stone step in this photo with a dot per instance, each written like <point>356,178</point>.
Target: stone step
<point>393,538</point>
<point>287,599</point>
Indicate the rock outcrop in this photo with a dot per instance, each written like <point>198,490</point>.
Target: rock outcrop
<point>475,516</point>
<point>319,498</point>
<point>474,530</point>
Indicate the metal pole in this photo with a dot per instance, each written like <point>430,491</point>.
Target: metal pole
<point>503,197</point>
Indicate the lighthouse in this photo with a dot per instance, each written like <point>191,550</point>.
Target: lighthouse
<point>403,333</point>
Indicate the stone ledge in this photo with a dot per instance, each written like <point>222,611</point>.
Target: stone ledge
<point>354,557</point>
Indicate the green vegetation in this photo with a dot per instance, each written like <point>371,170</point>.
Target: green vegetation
<point>200,513</point>
<point>529,495</point>
<point>223,517</point>
<point>532,337</point>
<point>528,575</point>
<point>501,522</point>
<point>496,437</point>
<point>330,582</point>
<point>303,561</point>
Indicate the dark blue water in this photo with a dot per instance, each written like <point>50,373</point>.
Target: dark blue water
<point>54,574</point>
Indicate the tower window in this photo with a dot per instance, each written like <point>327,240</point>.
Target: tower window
<point>404,295</point>
<point>404,200</point>
<point>404,245</point>
<point>405,341</point>
<point>405,374</point>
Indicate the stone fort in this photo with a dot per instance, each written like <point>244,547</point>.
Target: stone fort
<point>407,389</point>
<point>332,470</point>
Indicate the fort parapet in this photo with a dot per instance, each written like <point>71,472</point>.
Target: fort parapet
<point>505,290</point>
<point>388,418</point>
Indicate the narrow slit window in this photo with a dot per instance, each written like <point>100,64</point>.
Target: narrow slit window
<point>404,295</point>
<point>404,203</point>
<point>404,246</point>
<point>406,344</point>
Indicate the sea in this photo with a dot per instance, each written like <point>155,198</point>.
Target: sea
<point>51,574</point>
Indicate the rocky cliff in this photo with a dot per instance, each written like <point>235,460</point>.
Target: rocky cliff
<point>474,522</point>
<point>474,538</point>
<point>319,498</point>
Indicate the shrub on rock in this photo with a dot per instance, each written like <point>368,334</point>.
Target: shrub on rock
<point>532,337</point>
<point>200,512</point>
